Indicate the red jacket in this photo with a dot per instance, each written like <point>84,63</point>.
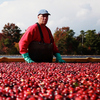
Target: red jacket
<point>33,34</point>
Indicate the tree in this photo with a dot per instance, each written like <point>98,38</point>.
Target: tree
<point>7,42</point>
<point>60,33</point>
<point>82,33</point>
<point>91,41</point>
<point>62,45</point>
<point>64,39</point>
<point>98,44</point>
<point>2,45</point>
<point>11,35</point>
<point>81,40</point>
<point>59,38</point>
<point>11,31</point>
<point>71,43</point>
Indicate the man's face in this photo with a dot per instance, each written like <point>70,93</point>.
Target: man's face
<point>42,19</point>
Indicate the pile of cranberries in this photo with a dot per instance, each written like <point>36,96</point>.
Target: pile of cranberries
<point>49,81</point>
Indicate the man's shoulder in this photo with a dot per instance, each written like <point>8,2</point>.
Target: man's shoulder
<point>31,29</point>
<point>32,26</point>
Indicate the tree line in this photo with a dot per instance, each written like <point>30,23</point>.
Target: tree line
<point>86,43</point>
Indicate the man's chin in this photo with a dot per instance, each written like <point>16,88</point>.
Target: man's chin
<point>43,24</point>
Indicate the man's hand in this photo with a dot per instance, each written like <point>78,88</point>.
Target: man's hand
<point>27,58</point>
<point>59,59</point>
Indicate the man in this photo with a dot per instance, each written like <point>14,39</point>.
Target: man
<point>34,34</point>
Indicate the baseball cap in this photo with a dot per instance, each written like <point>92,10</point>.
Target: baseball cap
<point>43,11</point>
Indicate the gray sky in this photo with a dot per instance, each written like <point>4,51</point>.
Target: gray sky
<point>76,14</point>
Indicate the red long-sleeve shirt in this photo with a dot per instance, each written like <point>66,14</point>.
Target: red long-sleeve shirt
<point>33,34</point>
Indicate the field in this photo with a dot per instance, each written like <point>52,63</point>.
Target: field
<point>49,81</point>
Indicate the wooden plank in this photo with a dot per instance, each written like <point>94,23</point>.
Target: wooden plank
<point>5,59</point>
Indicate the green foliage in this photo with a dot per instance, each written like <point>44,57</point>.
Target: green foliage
<point>1,46</point>
<point>13,51</point>
<point>60,34</point>
<point>11,35</point>
<point>66,43</point>
<point>91,41</point>
<point>7,42</point>
<point>98,44</point>
<point>71,43</point>
<point>62,46</point>
<point>87,43</point>
<point>11,31</point>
